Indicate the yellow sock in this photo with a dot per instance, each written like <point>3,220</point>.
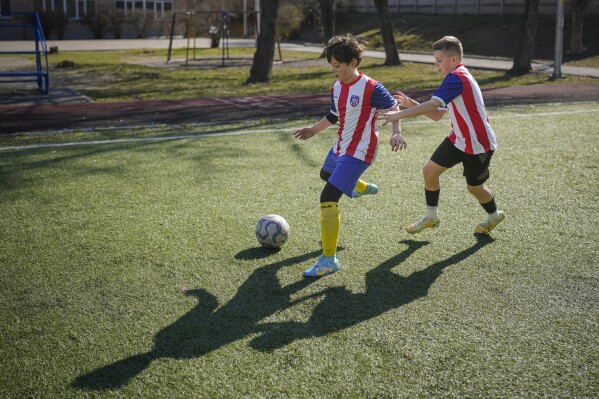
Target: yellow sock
<point>361,186</point>
<point>330,222</point>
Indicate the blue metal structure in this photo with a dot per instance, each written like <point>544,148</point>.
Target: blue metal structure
<point>40,75</point>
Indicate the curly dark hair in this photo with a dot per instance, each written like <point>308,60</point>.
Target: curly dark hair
<point>344,48</point>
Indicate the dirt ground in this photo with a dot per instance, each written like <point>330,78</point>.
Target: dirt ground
<point>39,117</point>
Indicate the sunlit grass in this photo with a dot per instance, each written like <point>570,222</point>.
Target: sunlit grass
<point>130,269</point>
<point>123,75</point>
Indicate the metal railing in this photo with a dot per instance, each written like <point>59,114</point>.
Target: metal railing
<point>26,21</point>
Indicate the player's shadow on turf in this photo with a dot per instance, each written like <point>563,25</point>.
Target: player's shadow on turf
<point>206,328</point>
<point>385,290</point>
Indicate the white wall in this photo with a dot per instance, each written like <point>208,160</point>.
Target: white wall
<point>471,7</point>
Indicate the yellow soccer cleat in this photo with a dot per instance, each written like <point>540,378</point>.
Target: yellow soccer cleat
<point>424,223</point>
<point>488,225</point>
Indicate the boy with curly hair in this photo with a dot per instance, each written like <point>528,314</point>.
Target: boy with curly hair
<point>355,99</point>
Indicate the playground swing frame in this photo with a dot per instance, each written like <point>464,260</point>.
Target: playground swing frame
<point>41,75</point>
<point>192,32</point>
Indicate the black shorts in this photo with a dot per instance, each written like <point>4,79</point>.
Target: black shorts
<point>476,167</point>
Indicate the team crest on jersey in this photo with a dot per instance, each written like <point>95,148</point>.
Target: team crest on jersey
<point>354,100</point>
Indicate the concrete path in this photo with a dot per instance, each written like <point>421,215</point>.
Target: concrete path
<point>472,61</point>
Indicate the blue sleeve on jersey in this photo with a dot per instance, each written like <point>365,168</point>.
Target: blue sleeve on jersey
<point>333,110</point>
<point>381,98</point>
<point>450,88</point>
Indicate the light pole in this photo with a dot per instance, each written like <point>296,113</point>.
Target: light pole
<point>257,8</point>
<point>245,16</point>
<point>559,41</point>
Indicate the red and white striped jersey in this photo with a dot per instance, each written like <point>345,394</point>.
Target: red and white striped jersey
<point>470,128</point>
<point>355,105</point>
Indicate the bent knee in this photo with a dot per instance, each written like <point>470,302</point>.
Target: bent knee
<point>324,175</point>
<point>475,189</point>
<point>429,172</point>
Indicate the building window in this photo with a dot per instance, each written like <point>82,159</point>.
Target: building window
<point>72,9</point>
<point>156,9</point>
<point>85,8</point>
<point>75,9</point>
<point>49,5</point>
<point>5,7</point>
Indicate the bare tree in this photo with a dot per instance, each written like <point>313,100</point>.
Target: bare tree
<point>53,21</point>
<point>577,17</point>
<point>261,71</point>
<point>214,5</point>
<point>391,54</point>
<point>99,24</point>
<point>116,20</point>
<point>289,20</point>
<point>523,56</point>
<point>327,21</point>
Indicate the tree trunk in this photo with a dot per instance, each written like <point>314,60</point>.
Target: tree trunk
<point>577,18</point>
<point>523,57</point>
<point>391,55</point>
<point>327,21</point>
<point>261,71</point>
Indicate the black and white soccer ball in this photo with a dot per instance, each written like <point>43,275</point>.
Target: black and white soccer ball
<point>272,231</point>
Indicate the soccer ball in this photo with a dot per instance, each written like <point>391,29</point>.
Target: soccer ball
<point>272,231</point>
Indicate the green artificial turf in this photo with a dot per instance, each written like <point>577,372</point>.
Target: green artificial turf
<point>130,269</point>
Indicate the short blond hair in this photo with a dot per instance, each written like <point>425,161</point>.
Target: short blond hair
<point>449,44</point>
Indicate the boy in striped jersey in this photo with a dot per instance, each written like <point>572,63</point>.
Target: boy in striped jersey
<point>355,98</point>
<point>470,142</point>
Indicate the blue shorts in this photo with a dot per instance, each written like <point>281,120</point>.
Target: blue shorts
<point>345,171</point>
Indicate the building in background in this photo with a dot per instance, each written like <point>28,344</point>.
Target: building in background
<point>457,7</point>
<point>155,9</point>
<point>83,19</point>
<point>72,19</point>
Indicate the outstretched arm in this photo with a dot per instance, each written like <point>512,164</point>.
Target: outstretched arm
<point>306,132</point>
<point>408,102</point>
<point>429,107</point>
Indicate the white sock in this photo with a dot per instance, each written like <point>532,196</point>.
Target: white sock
<point>431,212</point>
<point>494,216</point>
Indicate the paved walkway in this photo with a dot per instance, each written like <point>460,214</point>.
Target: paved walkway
<point>472,61</point>
<point>65,109</point>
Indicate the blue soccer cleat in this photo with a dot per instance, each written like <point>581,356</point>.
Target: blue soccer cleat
<point>325,265</point>
<point>370,190</point>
